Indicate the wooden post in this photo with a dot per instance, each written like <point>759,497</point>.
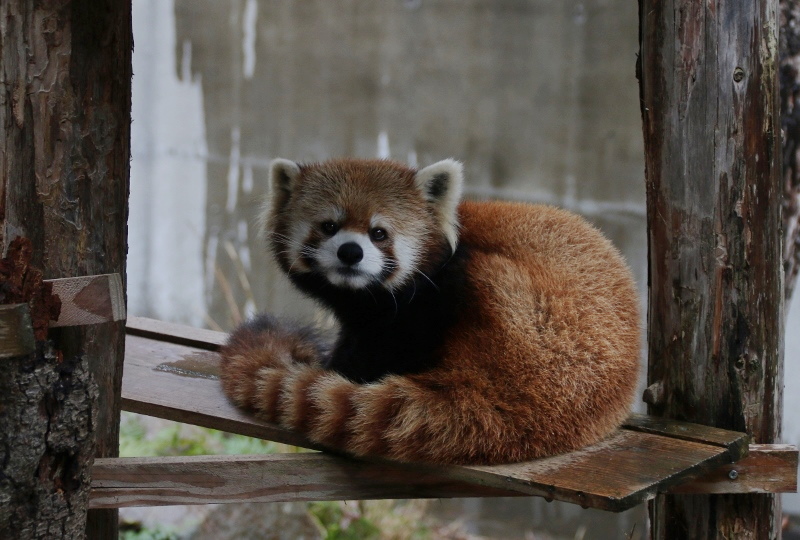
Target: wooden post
<point>709,100</point>
<point>65,86</point>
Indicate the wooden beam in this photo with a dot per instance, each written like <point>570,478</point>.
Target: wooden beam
<point>163,481</point>
<point>89,299</point>
<point>768,468</point>
<point>16,331</point>
<point>269,478</point>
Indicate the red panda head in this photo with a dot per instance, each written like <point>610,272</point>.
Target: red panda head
<point>362,223</point>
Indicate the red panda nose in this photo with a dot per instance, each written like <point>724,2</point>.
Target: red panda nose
<point>350,253</point>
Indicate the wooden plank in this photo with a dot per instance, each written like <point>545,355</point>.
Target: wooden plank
<point>734,441</point>
<point>624,470</point>
<point>181,383</point>
<point>89,299</point>
<point>16,331</point>
<point>161,481</point>
<point>175,333</point>
<point>769,468</point>
<point>265,478</point>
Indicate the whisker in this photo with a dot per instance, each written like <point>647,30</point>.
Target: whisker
<point>429,279</point>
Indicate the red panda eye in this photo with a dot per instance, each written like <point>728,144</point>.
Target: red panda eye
<point>329,227</point>
<point>377,234</point>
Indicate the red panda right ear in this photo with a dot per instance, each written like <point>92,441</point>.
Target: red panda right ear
<point>441,184</point>
<point>282,174</point>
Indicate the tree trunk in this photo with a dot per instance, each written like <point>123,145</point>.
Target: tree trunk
<point>65,84</point>
<point>708,82</point>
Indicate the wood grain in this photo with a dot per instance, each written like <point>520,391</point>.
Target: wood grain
<point>89,299</point>
<point>161,481</point>
<point>175,333</point>
<point>711,126</point>
<point>735,441</point>
<point>626,469</point>
<point>768,468</point>
<point>268,478</point>
<point>16,331</point>
<point>181,383</point>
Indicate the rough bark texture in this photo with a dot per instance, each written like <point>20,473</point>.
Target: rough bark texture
<point>47,440</point>
<point>708,75</point>
<point>65,73</point>
<point>790,122</point>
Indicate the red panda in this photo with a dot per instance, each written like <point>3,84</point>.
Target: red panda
<point>470,333</point>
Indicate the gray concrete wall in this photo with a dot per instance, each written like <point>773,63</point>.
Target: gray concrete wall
<point>537,98</point>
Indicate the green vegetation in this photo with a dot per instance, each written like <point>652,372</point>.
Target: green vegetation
<point>176,439</point>
<point>345,520</point>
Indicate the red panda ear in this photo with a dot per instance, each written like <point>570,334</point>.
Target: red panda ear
<point>282,174</point>
<point>441,184</point>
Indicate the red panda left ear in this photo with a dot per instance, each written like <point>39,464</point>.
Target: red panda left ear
<point>441,184</point>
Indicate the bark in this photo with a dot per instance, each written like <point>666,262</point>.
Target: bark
<point>47,441</point>
<point>65,74</point>
<point>790,122</point>
<point>709,101</point>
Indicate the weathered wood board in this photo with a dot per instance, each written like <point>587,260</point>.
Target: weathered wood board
<point>167,378</point>
<point>162,481</point>
<point>89,299</point>
<point>181,383</point>
<point>175,333</point>
<point>264,478</point>
<point>768,468</point>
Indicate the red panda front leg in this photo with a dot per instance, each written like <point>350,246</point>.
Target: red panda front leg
<point>265,344</point>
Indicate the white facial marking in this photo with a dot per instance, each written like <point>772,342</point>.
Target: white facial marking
<point>354,276</point>
<point>406,254</point>
<point>295,246</point>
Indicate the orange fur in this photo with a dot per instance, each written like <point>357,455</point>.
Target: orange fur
<point>542,359</point>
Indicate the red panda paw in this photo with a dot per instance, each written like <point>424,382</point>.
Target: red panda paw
<point>240,369</point>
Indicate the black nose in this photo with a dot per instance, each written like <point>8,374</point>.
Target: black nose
<point>350,253</point>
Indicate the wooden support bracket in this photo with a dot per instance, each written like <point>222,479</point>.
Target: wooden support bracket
<point>84,300</point>
<point>89,299</point>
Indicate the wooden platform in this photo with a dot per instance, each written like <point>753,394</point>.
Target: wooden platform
<point>171,372</point>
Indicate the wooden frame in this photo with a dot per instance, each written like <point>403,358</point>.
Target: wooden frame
<point>171,371</point>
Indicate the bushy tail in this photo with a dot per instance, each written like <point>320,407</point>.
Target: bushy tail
<point>276,372</point>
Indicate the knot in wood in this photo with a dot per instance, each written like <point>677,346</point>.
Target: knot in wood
<point>738,74</point>
<point>654,394</point>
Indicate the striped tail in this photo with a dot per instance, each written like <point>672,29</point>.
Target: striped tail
<point>276,372</point>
